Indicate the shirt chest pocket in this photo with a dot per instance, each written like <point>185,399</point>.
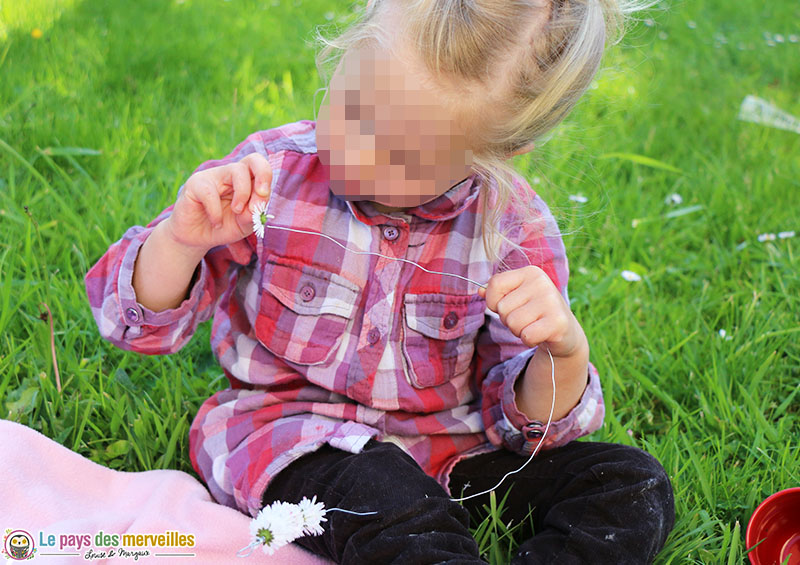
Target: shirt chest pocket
<point>304,312</point>
<point>439,336</point>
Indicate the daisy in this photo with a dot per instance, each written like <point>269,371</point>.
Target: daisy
<point>630,276</point>
<point>260,218</point>
<point>276,525</point>
<point>313,515</point>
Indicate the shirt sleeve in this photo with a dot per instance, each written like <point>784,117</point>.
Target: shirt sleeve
<point>503,358</point>
<point>129,325</point>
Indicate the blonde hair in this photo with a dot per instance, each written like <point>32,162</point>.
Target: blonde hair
<point>526,62</point>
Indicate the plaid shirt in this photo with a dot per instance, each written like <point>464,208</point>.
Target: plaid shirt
<point>324,345</point>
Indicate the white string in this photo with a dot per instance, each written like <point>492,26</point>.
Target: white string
<point>350,511</point>
<point>270,216</point>
<point>538,445</point>
<point>258,540</point>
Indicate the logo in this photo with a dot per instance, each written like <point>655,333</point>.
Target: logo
<point>18,545</point>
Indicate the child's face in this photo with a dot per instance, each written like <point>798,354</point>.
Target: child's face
<point>384,136</point>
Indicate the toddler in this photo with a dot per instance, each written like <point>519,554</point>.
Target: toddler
<point>355,375</point>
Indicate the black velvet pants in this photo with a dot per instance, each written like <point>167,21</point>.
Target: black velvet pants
<point>594,503</point>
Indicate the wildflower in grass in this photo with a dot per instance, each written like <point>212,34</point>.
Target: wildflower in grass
<point>766,237</point>
<point>786,234</point>
<point>260,218</point>
<point>630,276</point>
<point>673,199</point>
<point>36,33</point>
<point>580,198</point>
<point>724,335</point>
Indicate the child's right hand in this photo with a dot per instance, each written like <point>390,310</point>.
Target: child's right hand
<point>216,205</point>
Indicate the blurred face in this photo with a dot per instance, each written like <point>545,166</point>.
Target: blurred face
<point>383,136</point>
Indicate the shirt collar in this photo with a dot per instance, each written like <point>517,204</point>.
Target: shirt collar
<point>444,207</point>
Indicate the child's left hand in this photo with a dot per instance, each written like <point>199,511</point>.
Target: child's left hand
<point>530,305</point>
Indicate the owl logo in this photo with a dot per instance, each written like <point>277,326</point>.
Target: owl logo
<point>18,545</point>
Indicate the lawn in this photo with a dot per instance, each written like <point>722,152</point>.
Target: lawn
<point>106,107</point>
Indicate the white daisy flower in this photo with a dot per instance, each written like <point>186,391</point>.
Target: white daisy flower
<point>673,199</point>
<point>766,237</point>
<point>313,513</point>
<point>260,218</point>
<point>580,198</point>
<point>630,276</point>
<point>786,234</point>
<point>276,525</point>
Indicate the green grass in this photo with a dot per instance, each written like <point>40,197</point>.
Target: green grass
<point>105,115</point>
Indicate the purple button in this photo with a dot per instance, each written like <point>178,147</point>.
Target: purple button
<point>132,314</point>
<point>374,336</point>
<point>390,233</point>
<point>307,293</point>
<point>450,320</point>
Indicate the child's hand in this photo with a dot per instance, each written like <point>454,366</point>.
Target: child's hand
<point>216,205</point>
<point>530,305</point>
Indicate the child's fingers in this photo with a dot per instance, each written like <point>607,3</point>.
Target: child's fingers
<point>535,333</point>
<point>261,172</point>
<point>208,196</point>
<point>500,285</point>
<point>240,180</point>
<point>511,302</point>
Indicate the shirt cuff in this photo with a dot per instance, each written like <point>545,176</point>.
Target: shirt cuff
<point>525,434</point>
<point>135,315</point>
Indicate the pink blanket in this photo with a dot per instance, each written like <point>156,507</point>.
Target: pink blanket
<point>62,500</point>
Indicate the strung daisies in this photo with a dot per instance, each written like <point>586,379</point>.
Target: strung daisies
<point>280,523</point>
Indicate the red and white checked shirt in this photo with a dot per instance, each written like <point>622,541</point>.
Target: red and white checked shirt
<point>323,345</point>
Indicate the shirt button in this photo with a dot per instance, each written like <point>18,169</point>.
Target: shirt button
<point>390,233</point>
<point>534,434</point>
<point>450,320</point>
<point>307,293</point>
<point>132,314</point>
<point>374,336</point>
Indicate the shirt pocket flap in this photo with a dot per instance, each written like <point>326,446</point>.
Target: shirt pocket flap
<point>445,317</point>
<point>309,291</point>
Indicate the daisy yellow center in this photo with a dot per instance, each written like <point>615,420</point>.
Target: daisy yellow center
<point>262,218</point>
<point>266,535</point>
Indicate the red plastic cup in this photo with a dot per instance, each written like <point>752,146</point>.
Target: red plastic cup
<point>776,521</point>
